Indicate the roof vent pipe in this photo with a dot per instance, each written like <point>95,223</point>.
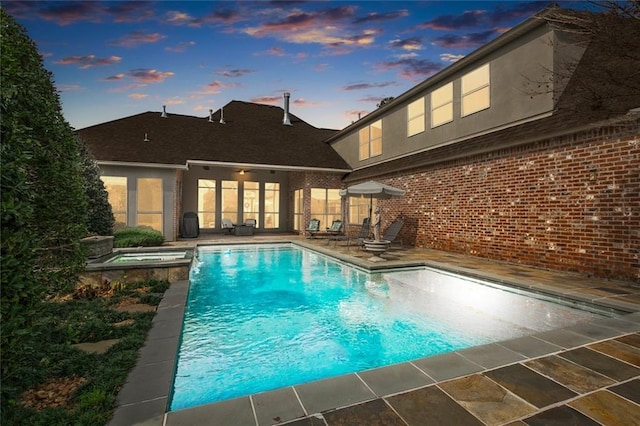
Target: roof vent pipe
<point>210,116</point>
<point>286,120</point>
<point>222,116</point>
<point>164,111</point>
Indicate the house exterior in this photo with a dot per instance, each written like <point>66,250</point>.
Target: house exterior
<point>501,156</point>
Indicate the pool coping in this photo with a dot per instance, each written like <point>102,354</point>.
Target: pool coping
<point>145,396</point>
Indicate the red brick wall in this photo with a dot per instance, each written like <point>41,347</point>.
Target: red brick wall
<point>569,203</point>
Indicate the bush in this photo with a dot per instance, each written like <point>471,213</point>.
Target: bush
<point>43,205</point>
<point>100,218</point>
<point>137,236</point>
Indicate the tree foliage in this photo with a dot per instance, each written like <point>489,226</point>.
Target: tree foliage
<point>384,101</point>
<point>43,203</point>
<point>100,218</point>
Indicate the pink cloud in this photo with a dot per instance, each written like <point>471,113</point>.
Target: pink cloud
<point>137,95</point>
<point>180,47</point>
<point>215,87</point>
<point>147,75</point>
<point>269,100</point>
<point>137,37</point>
<point>116,77</point>
<point>88,61</point>
<point>235,72</point>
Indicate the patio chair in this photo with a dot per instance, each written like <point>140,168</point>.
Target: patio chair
<point>228,225</point>
<point>336,227</point>
<point>363,234</point>
<point>313,228</point>
<point>393,232</point>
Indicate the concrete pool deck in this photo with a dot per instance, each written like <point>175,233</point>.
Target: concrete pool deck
<point>585,374</point>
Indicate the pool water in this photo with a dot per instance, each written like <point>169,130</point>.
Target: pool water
<point>263,317</point>
<point>147,257</point>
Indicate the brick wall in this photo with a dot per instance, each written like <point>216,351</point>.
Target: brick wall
<point>570,203</point>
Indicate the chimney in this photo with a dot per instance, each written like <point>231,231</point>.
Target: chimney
<point>222,116</point>
<point>210,116</point>
<point>164,111</point>
<point>286,120</point>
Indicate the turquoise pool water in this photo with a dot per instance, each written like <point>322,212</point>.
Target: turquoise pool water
<point>263,317</point>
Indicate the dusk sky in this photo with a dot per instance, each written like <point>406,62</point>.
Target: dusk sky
<point>337,58</point>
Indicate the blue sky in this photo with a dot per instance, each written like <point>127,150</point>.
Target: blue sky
<point>337,58</point>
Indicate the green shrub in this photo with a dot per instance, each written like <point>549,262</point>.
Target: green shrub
<point>43,205</point>
<point>137,237</point>
<point>100,219</point>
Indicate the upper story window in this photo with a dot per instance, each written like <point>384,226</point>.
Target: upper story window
<point>415,117</point>
<point>371,140</point>
<point>442,105</point>
<point>475,90</point>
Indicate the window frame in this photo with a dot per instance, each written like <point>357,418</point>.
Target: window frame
<point>326,216</point>
<point>272,191</point>
<point>416,117</point>
<point>251,214</point>
<point>437,107</point>
<point>224,190</point>
<point>298,209</point>
<point>150,212</point>
<point>111,195</point>
<point>367,142</point>
<point>202,212</point>
<point>474,90</point>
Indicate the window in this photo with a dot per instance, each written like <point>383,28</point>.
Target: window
<point>207,203</point>
<point>251,200</point>
<point>116,187</point>
<point>298,210</point>
<point>229,200</point>
<point>415,117</point>
<point>271,205</point>
<point>359,208</point>
<point>371,140</point>
<point>150,203</point>
<point>475,91</point>
<point>325,206</point>
<point>442,105</point>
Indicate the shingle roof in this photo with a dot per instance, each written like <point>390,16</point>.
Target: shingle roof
<point>253,134</point>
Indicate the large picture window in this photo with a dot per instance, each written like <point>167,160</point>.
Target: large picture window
<point>150,203</point>
<point>370,140</point>
<point>116,187</point>
<point>207,203</point>
<point>475,90</point>
<point>415,117</point>
<point>325,206</point>
<point>229,200</point>
<point>359,208</point>
<point>298,209</point>
<point>271,205</point>
<point>251,202</point>
<point>442,105</point>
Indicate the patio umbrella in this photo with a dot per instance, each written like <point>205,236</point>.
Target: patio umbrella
<point>374,190</point>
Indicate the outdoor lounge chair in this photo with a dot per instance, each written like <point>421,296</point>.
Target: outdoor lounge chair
<point>393,232</point>
<point>363,234</point>
<point>228,225</point>
<point>336,227</point>
<point>314,227</point>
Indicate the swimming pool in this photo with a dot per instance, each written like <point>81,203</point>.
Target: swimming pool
<point>262,317</point>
